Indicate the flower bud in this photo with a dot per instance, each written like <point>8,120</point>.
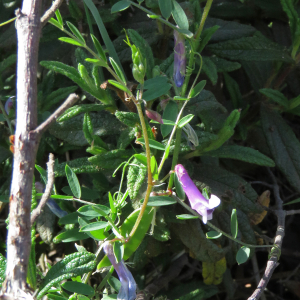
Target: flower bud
<point>179,58</point>
<point>153,115</point>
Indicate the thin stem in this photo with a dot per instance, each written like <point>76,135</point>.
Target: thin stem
<point>150,181</point>
<point>175,156</point>
<point>5,115</point>
<point>171,137</point>
<point>7,22</point>
<point>152,13</point>
<point>203,19</point>
<point>216,228</point>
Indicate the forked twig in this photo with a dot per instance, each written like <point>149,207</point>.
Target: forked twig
<point>50,12</point>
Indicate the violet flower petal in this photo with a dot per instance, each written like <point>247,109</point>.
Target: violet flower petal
<point>198,202</point>
<point>128,288</point>
<point>179,58</point>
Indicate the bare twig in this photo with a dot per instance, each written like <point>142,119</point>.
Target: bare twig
<point>68,103</point>
<point>50,12</point>
<point>292,212</point>
<point>50,167</point>
<point>256,273</point>
<point>275,252</point>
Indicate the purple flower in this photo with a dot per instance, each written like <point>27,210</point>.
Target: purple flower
<point>179,58</point>
<point>128,285</point>
<point>153,115</point>
<point>198,202</point>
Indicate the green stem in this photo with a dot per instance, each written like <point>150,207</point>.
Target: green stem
<point>203,19</point>
<point>175,156</point>
<point>148,154</point>
<point>216,228</point>
<point>5,115</point>
<point>7,22</point>
<point>171,137</point>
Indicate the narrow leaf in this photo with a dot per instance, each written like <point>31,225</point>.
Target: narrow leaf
<point>73,182</point>
<point>98,47</point>
<point>186,217</point>
<point>78,287</point>
<point>118,251</point>
<point>160,201</point>
<point>117,70</point>
<point>76,32</point>
<point>70,41</point>
<point>59,18</point>
<point>185,120</point>
<point>152,143</point>
<point>120,86</point>
<point>197,89</point>
<point>213,235</point>
<point>234,223</point>
<point>93,226</point>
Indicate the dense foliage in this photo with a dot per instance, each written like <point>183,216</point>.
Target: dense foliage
<point>224,102</point>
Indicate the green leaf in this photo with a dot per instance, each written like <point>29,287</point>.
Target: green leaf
<point>78,287</point>
<point>56,96</point>
<point>210,69</point>
<point>186,217</point>
<point>72,235</point>
<point>120,86</point>
<point>94,226</point>
<point>233,89</point>
<point>197,89</point>
<point>165,7</point>
<point>97,62</point>
<point>94,210</point>
<point>130,119</point>
<point>55,23</point>
<point>107,41</point>
<point>70,41</point>
<point>154,167</point>
<point>224,65</point>
<point>79,109</point>
<point>59,18</point>
<point>55,297</point>
<point>98,47</point>
<point>276,96</point>
<point>136,176</point>
<point>136,239</point>
<point>156,87</point>
<point>160,201</point>
<point>292,202</point>
<point>117,70</point>
<point>234,223</point>
<point>246,154</point>
<point>112,159</point>
<point>119,6</point>
<point>72,265</point>
<point>73,182</point>
<point>183,121</point>
<point>7,62</point>
<point>145,49</point>
<point>242,255</point>
<point>118,251</point>
<point>283,144</point>
<point>141,158</point>
<point>71,218</point>
<point>170,113</point>
<point>76,32</point>
<point>152,143</point>
<point>206,36</point>
<point>179,16</point>
<point>255,48</point>
<point>213,235</point>
<point>179,98</point>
